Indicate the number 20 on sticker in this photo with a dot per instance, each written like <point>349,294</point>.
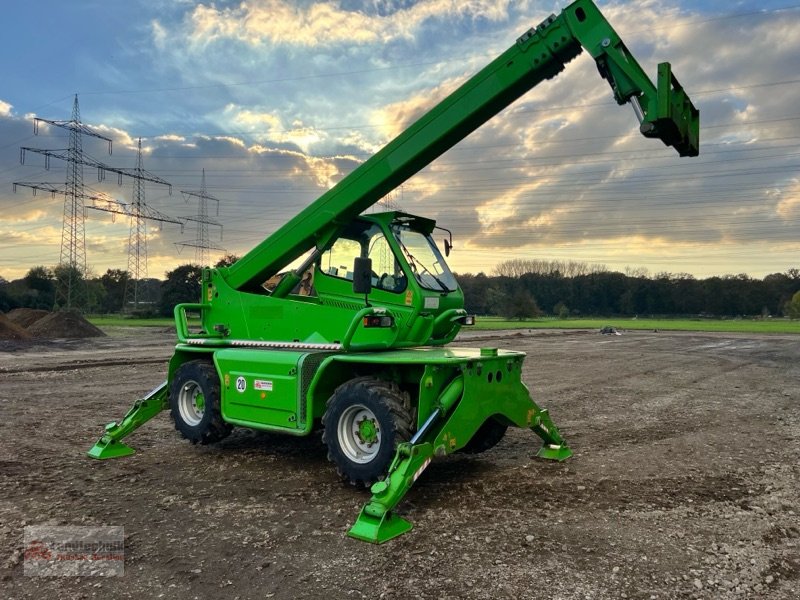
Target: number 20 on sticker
<point>241,384</point>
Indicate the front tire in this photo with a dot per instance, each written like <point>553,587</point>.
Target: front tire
<point>194,402</point>
<point>365,420</point>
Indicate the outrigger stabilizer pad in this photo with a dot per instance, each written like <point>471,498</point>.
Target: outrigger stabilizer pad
<point>144,409</point>
<point>108,447</point>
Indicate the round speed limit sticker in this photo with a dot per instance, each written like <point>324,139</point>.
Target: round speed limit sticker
<point>241,384</point>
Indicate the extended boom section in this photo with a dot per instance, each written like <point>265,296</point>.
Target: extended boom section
<point>541,53</point>
<point>355,340</point>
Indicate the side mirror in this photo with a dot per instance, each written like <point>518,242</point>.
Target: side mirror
<point>448,241</point>
<point>362,275</point>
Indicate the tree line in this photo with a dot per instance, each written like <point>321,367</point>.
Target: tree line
<point>522,289</point>
<point>517,289</point>
<point>106,294</point>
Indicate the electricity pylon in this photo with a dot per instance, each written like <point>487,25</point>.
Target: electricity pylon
<point>202,243</point>
<point>71,289</point>
<point>139,213</point>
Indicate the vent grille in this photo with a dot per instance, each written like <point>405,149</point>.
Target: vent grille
<point>308,369</point>
<point>342,304</point>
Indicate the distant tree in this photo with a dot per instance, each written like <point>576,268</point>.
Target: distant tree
<point>95,296</point>
<point>67,275</point>
<point>520,304</point>
<point>7,300</point>
<point>561,311</point>
<point>517,267</point>
<point>113,282</point>
<point>182,285</point>
<point>36,275</point>
<point>793,307</point>
<point>496,300</point>
<point>475,296</point>
<point>777,290</point>
<point>40,279</point>
<point>227,260</point>
<point>150,289</point>
<point>41,288</point>
<point>637,272</point>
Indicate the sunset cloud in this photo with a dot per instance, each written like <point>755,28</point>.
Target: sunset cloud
<point>278,100</point>
<point>324,23</point>
<point>788,207</point>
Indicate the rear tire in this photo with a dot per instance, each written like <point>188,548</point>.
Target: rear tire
<point>194,402</point>
<point>488,436</point>
<point>365,420</point>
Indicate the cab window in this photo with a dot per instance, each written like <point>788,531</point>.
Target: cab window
<point>371,243</point>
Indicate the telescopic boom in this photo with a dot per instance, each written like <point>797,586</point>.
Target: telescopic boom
<point>663,109</point>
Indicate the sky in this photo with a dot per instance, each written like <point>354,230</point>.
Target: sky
<point>278,100</point>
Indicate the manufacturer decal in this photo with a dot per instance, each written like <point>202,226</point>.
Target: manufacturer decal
<point>264,386</point>
<point>241,384</point>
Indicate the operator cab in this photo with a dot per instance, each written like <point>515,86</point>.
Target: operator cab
<point>402,252</point>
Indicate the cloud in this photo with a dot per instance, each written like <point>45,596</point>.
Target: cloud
<point>170,137</point>
<point>394,118</point>
<point>265,126</point>
<point>46,235</point>
<point>324,23</point>
<point>788,206</point>
<point>279,100</point>
<point>159,34</point>
<point>28,216</point>
<point>601,186</point>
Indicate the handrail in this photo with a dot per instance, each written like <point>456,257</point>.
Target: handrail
<point>182,325</point>
<point>347,341</point>
<point>449,315</point>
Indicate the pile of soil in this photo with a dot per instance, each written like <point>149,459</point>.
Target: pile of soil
<point>11,331</point>
<point>25,317</point>
<point>64,324</point>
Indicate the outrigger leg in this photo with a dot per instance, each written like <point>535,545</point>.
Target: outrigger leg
<point>144,409</point>
<point>449,428</point>
<point>376,522</point>
<point>554,448</point>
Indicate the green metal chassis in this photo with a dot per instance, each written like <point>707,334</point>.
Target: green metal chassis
<point>455,390</point>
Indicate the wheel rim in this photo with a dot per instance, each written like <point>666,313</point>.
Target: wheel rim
<point>359,434</point>
<point>191,403</point>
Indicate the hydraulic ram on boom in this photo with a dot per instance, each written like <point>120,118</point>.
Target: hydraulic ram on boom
<point>354,339</point>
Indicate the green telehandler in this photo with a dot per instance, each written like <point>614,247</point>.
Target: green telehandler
<point>355,337</point>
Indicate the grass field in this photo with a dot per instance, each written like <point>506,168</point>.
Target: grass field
<point>722,325</point>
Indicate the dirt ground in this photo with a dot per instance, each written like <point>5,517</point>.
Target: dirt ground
<point>684,482</point>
